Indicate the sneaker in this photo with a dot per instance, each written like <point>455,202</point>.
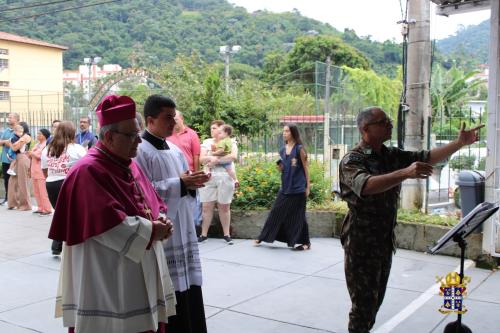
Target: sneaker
<point>201,239</point>
<point>228,240</point>
<point>11,172</point>
<point>3,202</point>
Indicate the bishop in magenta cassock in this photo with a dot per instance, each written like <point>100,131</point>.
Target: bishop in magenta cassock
<point>114,276</point>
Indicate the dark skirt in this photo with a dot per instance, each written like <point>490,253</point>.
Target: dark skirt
<point>287,221</point>
<point>190,317</point>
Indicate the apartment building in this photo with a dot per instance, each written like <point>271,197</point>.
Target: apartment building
<point>31,77</point>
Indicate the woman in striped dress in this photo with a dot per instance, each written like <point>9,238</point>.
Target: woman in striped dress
<point>287,220</point>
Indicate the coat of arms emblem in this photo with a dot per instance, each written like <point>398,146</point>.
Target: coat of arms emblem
<point>453,292</point>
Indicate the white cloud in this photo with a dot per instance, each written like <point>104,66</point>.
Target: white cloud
<point>368,17</point>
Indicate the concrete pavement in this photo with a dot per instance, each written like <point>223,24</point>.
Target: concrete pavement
<point>253,289</point>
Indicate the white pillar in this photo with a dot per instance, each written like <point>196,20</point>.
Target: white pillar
<point>490,233</point>
<point>417,92</point>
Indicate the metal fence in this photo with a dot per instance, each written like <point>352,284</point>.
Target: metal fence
<point>308,112</point>
<point>441,187</point>
<point>344,105</point>
<point>309,116</point>
<point>39,110</point>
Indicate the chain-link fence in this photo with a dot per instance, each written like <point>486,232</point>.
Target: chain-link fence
<point>330,96</point>
<point>344,103</point>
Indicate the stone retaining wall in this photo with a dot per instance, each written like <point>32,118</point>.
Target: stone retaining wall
<point>411,236</point>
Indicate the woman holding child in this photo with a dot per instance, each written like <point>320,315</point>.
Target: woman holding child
<point>220,188</point>
<point>19,192</point>
<point>287,220</point>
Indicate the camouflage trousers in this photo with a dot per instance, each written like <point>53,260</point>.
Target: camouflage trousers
<point>366,278</point>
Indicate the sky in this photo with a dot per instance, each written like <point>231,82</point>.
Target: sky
<point>376,18</point>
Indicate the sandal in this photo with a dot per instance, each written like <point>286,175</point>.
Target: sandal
<point>303,247</point>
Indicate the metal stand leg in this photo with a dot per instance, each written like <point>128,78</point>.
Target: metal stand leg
<point>457,326</point>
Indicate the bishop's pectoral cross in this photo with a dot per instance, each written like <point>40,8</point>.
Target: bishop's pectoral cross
<point>147,211</point>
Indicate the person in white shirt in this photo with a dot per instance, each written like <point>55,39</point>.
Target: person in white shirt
<point>57,159</point>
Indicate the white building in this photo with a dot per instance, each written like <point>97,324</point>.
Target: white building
<point>85,74</point>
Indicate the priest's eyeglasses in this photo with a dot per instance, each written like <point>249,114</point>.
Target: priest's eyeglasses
<point>131,136</point>
<point>383,122</point>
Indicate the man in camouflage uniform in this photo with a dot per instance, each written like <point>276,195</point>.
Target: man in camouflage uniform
<point>370,182</point>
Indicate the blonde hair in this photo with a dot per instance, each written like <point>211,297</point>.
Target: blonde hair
<point>18,128</point>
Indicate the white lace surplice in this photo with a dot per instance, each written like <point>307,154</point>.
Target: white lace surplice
<point>163,168</point>
<point>112,283</point>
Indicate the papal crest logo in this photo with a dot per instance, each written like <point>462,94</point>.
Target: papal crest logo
<point>453,293</point>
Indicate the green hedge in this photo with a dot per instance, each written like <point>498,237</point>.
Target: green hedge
<point>260,181</point>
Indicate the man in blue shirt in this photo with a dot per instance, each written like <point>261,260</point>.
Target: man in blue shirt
<point>85,137</point>
<point>12,120</point>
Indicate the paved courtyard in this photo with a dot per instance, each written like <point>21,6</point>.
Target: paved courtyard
<point>253,289</point>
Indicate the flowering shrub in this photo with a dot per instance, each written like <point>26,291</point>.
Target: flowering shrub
<point>260,181</point>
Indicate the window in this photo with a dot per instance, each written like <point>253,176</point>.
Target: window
<point>4,95</point>
<point>4,51</point>
<point>4,63</point>
<point>4,83</point>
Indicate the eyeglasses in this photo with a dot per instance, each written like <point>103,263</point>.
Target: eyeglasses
<point>131,136</point>
<point>383,121</point>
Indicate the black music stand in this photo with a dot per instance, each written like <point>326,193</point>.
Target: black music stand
<point>457,234</point>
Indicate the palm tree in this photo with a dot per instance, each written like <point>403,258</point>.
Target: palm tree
<point>449,91</point>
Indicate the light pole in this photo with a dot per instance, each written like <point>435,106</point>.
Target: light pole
<point>92,61</point>
<point>226,52</point>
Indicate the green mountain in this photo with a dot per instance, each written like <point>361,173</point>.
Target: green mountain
<point>148,32</point>
<point>468,47</point>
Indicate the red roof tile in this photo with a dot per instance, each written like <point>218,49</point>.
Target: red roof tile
<point>26,40</point>
<point>301,119</point>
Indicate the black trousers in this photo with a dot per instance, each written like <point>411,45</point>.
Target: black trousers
<point>6,176</point>
<point>53,189</point>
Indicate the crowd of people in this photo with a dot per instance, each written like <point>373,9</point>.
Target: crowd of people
<point>126,205</point>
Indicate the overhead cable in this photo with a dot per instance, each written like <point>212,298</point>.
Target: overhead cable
<point>55,11</point>
<point>36,4</point>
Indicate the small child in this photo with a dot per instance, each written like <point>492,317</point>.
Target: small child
<point>11,154</point>
<point>223,148</point>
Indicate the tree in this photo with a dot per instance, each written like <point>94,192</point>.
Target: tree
<point>309,49</point>
<point>209,106</point>
<point>362,88</point>
<point>449,91</point>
